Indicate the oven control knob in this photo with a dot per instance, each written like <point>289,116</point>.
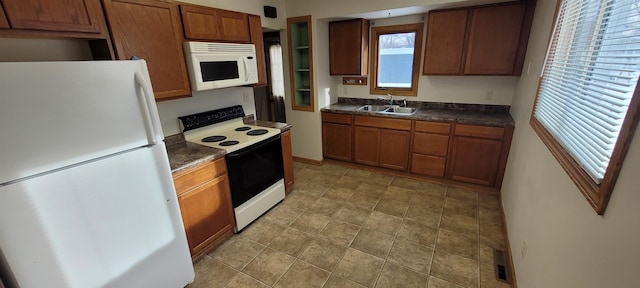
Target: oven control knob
<point>223,114</point>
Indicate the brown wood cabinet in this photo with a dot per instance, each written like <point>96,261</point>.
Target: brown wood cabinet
<point>430,148</point>
<point>207,23</point>
<point>71,16</point>
<point>479,40</point>
<point>349,47</point>
<point>476,154</point>
<point>382,142</point>
<point>151,30</point>
<point>200,23</point>
<point>445,42</point>
<point>205,204</point>
<point>287,159</point>
<point>494,38</point>
<point>336,136</point>
<point>255,27</point>
<point>234,26</point>
<point>3,19</point>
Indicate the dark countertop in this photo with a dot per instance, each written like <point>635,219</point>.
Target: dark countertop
<point>184,155</point>
<point>479,117</point>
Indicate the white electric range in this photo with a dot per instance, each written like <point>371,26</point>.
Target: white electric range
<point>253,157</point>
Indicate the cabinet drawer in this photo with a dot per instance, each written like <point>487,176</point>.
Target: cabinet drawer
<point>432,144</point>
<point>433,127</point>
<point>480,131</point>
<point>336,118</point>
<point>186,180</point>
<point>428,165</point>
<point>380,122</point>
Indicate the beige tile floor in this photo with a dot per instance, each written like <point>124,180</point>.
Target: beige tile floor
<point>347,227</point>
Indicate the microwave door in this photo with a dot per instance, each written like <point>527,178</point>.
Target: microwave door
<point>218,71</point>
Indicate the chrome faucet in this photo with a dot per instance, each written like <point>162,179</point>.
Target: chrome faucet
<point>390,99</point>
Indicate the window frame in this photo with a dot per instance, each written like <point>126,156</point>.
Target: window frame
<point>376,31</point>
<point>596,194</point>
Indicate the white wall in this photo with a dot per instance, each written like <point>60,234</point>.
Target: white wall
<point>568,244</point>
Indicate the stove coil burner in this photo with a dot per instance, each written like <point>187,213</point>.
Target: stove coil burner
<point>216,138</point>
<point>244,128</point>
<point>229,143</point>
<point>257,132</point>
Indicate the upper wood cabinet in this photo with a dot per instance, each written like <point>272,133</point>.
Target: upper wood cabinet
<point>200,23</point>
<point>349,47</point>
<point>151,30</point>
<point>445,42</point>
<point>255,27</point>
<point>480,40</point>
<point>207,23</point>
<point>494,38</point>
<point>234,26</point>
<point>3,19</point>
<point>71,16</point>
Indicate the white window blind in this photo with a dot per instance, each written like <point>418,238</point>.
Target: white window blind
<point>590,74</point>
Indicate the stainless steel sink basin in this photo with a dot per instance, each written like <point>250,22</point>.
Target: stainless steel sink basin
<point>400,110</point>
<point>373,108</point>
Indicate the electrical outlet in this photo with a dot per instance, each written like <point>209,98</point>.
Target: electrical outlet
<point>528,68</point>
<point>246,97</point>
<point>524,249</point>
<point>489,96</point>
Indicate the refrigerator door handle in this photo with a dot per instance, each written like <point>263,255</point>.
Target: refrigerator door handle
<point>144,99</point>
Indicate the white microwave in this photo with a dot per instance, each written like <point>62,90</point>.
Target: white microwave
<point>219,65</point>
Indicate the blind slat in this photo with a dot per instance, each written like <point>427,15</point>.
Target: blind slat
<point>590,74</point>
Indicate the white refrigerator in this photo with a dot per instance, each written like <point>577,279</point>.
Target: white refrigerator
<point>86,193</point>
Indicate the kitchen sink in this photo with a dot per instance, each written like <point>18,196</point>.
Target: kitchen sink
<point>400,110</point>
<point>373,108</point>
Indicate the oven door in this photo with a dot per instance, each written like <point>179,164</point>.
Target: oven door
<point>254,168</point>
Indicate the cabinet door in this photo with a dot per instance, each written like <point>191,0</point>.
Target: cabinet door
<point>336,141</point>
<point>234,26</point>
<point>151,30</point>
<point>67,16</point>
<point>475,160</point>
<point>428,165</point>
<point>287,159</point>
<point>206,213</point>
<point>366,145</point>
<point>394,149</point>
<point>200,23</point>
<point>432,144</point>
<point>494,38</point>
<point>3,19</point>
<point>255,27</point>
<point>349,47</point>
<point>444,50</point>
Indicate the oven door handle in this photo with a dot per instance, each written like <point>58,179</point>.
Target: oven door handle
<point>254,147</point>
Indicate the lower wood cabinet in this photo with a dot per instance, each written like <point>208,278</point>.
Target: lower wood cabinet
<point>430,148</point>
<point>205,204</point>
<point>287,159</point>
<point>382,142</point>
<point>479,154</point>
<point>336,136</point>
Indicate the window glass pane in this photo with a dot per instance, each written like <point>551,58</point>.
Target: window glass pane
<point>589,79</point>
<point>395,59</point>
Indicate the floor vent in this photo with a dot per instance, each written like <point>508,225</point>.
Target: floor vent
<point>500,263</point>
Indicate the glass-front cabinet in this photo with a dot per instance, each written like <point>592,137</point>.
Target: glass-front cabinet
<point>301,63</point>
